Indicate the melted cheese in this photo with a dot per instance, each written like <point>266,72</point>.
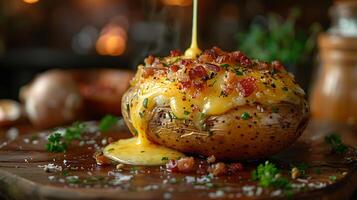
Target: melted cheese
<point>194,50</point>
<point>139,150</point>
<point>163,91</point>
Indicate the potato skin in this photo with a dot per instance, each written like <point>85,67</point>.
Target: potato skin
<point>227,136</point>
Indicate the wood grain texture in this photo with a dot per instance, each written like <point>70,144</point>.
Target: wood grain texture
<point>23,177</point>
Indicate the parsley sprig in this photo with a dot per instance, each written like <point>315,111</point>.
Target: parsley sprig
<point>268,175</point>
<point>334,140</point>
<point>58,141</point>
<point>107,122</point>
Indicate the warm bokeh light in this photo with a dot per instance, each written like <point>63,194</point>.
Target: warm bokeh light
<point>30,1</point>
<point>112,41</point>
<point>177,2</point>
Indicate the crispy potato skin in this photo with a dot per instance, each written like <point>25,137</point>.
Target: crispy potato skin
<point>227,136</point>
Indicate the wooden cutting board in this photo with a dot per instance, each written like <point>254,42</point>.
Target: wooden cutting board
<point>77,176</point>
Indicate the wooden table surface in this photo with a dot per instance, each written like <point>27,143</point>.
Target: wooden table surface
<point>77,176</point>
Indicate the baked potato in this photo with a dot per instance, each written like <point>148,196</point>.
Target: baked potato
<point>222,104</point>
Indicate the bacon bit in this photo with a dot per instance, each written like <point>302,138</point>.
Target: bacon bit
<point>234,168</point>
<point>110,140</point>
<point>186,164</point>
<point>223,59</point>
<point>202,169</point>
<point>185,84</point>
<point>172,166</point>
<point>101,159</point>
<point>186,62</point>
<point>149,60</point>
<point>277,65</point>
<point>148,72</point>
<point>174,68</point>
<point>218,169</point>
<point>211,159</point>
<point>175,53</point>
<point>212,53</point>
<point>217,50</point>
<point>204,58</point>
<point>241,58</point>
<point>197,72</point>
<point>213,67</point>
<point>263,66</point>
<point>231,82</point>
<point>247,86</point>
<point>198,86</point>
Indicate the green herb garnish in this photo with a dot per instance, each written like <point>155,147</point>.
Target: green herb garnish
<point>141,114</point>
<point>186,112</point>
<point>145,102</point>
<point>58,142</point>
<point>332,178</point>
<point>164,158</point>
<point>317,170</point>
<point>107,122</point>
<point>224,65</point>
<point>302,168</point>
<point>239,73</point>
<point>245,116</point>
<point>334,140</point>
<point>275,109</point>
<point>55,143</point>
<point>268,175</point>
<point>74,132</point>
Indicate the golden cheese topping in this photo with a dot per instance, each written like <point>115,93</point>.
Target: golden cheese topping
<point>194,89</point>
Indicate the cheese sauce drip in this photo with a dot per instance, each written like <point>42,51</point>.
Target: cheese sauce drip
<point>140,151</point>
<point>194,50</point>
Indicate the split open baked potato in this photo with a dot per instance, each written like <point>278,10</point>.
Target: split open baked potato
<point>222,104</point>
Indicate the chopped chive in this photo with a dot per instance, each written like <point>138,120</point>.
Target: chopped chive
<point>245,116</point>
<point>128,108</point>
<point>224,65</point>
<point>332,178</point>
<point>275,109</point>
<point>145,102</point>
<point>141,115</point>
<point>239,73</point>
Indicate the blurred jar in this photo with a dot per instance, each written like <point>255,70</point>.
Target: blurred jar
<point>334,95</point>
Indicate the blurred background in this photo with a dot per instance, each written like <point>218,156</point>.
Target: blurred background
<point>38,35</point>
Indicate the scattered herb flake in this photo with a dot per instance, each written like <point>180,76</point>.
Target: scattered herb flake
<point>224,65</point>
<point>239,73</point>
<point>128,108</point>
<point>141,114</point>
<point>55,143</point>
<point>267,175</point>
<point>332,178</point>
<point>334,140</point>
<point>58,142</point>
<point>107,122</point>
<point>164,158</point>
<point>145,102</point>
<point>202,115</point>
<point>186,112</point>
<point>317,170</point>
<point>245,116</point>
<point>275,109</point>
